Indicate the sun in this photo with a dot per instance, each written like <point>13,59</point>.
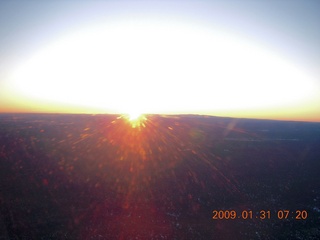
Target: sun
<point>134,116</point>
<point>136,119</point>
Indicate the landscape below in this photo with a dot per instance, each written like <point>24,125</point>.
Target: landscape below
<point>73,176</point>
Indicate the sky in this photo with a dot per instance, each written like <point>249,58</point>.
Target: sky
<point>252,59</point>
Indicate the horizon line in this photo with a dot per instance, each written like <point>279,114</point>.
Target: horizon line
<point>162,114</point>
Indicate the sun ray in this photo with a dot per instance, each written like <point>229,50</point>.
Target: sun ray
<point>136,119</point>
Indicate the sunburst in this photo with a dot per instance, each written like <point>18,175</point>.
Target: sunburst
<point>136,119</point>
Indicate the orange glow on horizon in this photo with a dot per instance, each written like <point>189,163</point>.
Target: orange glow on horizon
<point>308,115</point>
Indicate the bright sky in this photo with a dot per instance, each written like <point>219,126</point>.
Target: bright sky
<point>257,59</point>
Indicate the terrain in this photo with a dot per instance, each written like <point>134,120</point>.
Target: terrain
<point>73,176</point>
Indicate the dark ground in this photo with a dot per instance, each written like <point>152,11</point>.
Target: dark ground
<point>96,177</point>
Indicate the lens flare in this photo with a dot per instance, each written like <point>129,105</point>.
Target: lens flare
<point>136,119</point>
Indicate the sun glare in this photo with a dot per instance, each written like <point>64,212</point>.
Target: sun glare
<point>161,68</point>
<point>134,116</point>
<point>136,119</point>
